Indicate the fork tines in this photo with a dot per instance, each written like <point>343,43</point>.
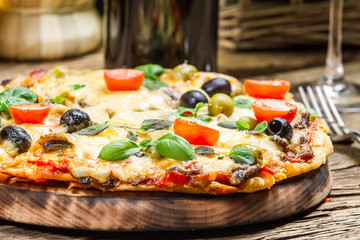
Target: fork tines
<point>326,110</point>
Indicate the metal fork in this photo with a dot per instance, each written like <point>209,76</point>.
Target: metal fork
<point>327,111</point>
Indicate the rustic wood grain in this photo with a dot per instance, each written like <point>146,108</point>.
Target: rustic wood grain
<point>137,211</point>
<point>338,218</point>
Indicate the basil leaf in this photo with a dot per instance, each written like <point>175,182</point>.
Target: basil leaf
<point>153,83</point>
<point>175,147</point>
<point>221,156</point>
<point>76,86</point>
<point>313,113</point>
<point>151,69</point>
<point>261,127</point>
<point>204,118</point>
<point>227,124</point>
<point>182,110</point>
<point>146,142</point>
<point>241,154</point>
<point>16,96</point>
<point>59,100</point>
<point>204,150</point>
<point>191,119</point>
<point>93,130</point>
<point>119,150</point>
<point>199,106</point>
<point>151,80</point>
<point>156,124</point>
<point>242,125</point>
<point>242,103</point>
<point>132,136</point>
<point>147,131</point>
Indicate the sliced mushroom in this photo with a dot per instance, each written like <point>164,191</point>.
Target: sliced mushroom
<point>54,142</point>
<point>243,173</point>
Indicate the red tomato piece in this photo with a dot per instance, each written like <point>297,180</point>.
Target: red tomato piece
<point>267,89</point>
<point>267,109</point>
<point>123,79</point>
<point>29,113</point>
<point>195,133</point>
<point>176,177</point>
<point>38,73</point>
<point>268,170</point>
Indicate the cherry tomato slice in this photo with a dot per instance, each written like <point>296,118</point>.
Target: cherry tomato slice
<point>29,113</point>
<point>267,109</point>
<point>123,79</point>
<point>195,133</point>
<point>38,73</point>
<point>267,89</point>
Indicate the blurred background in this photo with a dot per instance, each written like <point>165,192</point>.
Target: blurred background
<point>255,37</point>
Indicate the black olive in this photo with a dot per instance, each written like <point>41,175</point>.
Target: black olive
<point>17,136</point>
<point>75,120</point>
<point>5,82</point>
<point>281,127</point>
<point>217,85</point>
<point>191,98</point>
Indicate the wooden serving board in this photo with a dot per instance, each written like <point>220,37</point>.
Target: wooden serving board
<point>144,211</point>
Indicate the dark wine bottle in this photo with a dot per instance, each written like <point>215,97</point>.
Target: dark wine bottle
<point>165,32</point>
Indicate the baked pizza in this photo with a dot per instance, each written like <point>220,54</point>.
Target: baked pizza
<point>155,129</point>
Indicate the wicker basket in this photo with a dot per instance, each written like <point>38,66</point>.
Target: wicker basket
<point>263,24</point>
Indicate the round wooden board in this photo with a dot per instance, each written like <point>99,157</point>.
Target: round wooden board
<point>144,211</point>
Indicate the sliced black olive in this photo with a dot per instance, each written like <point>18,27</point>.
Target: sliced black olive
<point>191,98</point>
<point>20,139</point>
<point>281,127</point>
<point>5,82</point>
<point>217,85</point>
<point>75,120</point>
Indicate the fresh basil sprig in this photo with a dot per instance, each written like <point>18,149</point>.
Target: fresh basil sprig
<point>261,127</point>
<point>191,114</point>
<point>59,100</point>
<point>174,147</point>
<point>146,143</point>
<point>204,150</point>
<point>227,124</point>
<point>76,86</point>
<point>241,154</point>
<point>242,102</point>
<point>242,125</point>
<point>119,150</point>
<point>156,124</point>
<point>15,96</point>
<point>152,73</point>
<point>93,130</point>
<point>313,114</point>
<point>132,136</point>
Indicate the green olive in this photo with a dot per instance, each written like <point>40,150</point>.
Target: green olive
<point>221,103</point>
<point>256,151</point>
<point>249,120</point>
<point>184,71</point>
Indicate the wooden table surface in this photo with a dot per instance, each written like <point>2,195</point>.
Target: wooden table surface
<point>338,218</point>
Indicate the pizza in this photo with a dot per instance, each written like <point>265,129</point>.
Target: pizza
<point>155,129</point>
